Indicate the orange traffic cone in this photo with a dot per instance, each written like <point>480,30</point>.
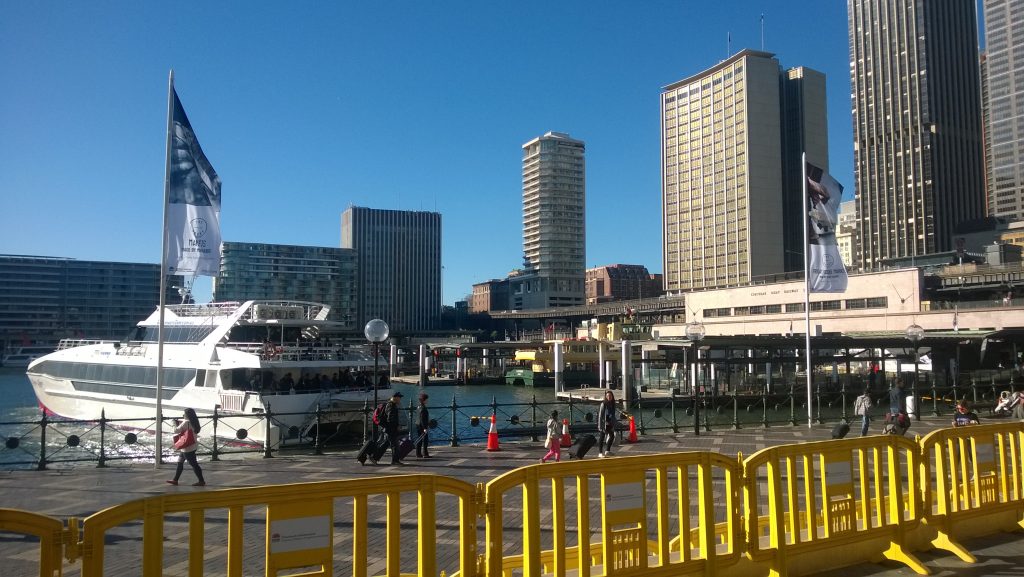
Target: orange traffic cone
<point>492,436</point>
<point>566,439</point>
<point>632,430</point>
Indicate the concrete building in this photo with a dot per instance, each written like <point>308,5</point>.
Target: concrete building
<point>846,233</point>
<point>732,139</point>
<point>554,224</point>
<point>621,281</point>
<point>44,299</point>
<point>491,295</point>
<point>327,275</point>
<point>918,155</point>
<point>398,260</point>
<point>1004,104</point>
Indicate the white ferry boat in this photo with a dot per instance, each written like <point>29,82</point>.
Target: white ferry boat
<point>242,360</point>
<point>24,355</point>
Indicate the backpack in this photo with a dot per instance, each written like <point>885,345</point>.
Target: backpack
<point>378,414</point>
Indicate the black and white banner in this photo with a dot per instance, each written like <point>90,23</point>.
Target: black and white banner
<point>826,273</point>
<point>193,203</point>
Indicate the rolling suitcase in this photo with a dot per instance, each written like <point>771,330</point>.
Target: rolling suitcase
<point>839,431</point>
<point>373,449</point>
<point>405,446</point>
<point>579,449</point>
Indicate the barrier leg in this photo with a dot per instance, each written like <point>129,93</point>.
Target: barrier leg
<point>942,541</point>
<point>896,552</point>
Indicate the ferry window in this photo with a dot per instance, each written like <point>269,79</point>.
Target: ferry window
<point>201,377</point>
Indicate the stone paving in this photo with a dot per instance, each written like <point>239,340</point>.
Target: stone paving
<point>85,490</point>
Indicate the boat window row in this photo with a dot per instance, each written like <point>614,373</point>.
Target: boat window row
<point>134,391</point>
<point>172,334</point>
<point>117,374</point>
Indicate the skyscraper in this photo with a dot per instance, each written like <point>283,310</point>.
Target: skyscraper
<point>732,139</point>
<point>1004,130</point>
<point>916,122</point>
<point>554,224</point>
<point>398,276</point>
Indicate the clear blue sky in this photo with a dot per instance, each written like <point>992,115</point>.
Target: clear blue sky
<point>306,108</point>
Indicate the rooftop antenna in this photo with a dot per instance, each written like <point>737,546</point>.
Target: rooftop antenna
<point>762,32</point>
<point>728,44</point>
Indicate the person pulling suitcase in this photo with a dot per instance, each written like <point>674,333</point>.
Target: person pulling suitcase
<point>607,422</point>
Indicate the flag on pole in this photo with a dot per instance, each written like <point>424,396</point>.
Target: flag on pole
<point>193,203</point>
<point>826,273</point>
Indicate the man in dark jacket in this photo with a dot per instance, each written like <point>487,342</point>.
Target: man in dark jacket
<point>422,426</point>
<point>390,423</point>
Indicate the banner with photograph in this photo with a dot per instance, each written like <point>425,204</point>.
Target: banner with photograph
<point>193,203</point>
<point>826,273</point>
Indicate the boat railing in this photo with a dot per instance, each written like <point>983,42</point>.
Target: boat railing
<point>72,343</point>
<point>303,352</point>
<point>205,310</point>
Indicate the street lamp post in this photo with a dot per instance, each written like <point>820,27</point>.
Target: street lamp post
<point>376,332</point>
<point>695,332</point>
<point>914,334</point>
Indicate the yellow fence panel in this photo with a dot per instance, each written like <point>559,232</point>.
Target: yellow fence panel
<point>975,480</point>
<point>298,527</point>
<point>51,533</point>
<point>627,518</point>
<point>802,500</point>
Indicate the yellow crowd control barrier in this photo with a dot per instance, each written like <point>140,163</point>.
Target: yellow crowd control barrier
<point>55,540</point>
<point>819,505</point>
<point>785,510</point>
<point>975,481</point>
<point>296,524</point>
<point>623,501</point>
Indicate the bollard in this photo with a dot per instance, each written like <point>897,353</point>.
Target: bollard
<point>216,417</point>
<point>267,452</point>
<point>103,440</point>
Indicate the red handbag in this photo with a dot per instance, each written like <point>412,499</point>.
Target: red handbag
<point>185,439</point>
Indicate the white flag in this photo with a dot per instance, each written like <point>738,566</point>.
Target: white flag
<point>193,204</point>
<point>827,273</point>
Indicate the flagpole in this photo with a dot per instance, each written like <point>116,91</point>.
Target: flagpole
<point>807,287</point>
<point>163,278</point>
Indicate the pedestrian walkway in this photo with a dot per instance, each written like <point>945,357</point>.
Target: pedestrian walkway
<point>82,491</point>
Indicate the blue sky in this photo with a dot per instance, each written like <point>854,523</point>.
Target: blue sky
<point>306,108</point>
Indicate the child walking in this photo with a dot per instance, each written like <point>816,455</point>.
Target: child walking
<point>554,440</point>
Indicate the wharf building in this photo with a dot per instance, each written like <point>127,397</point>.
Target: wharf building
<point>256,271</point>
<point>732,137</point>
<point>554,224</point>
<point>918,155</point>
<point>621,282</point>
<point>1003,102</point>
<point>44,299</point>
<point>398,266</point>
<point>490,295</point>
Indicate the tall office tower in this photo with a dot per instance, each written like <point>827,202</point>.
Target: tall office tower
<point>916,123</point>
<point>398,256</point>
<point>732,138</point>
<point>1004,127</point>
<point>255,271</point>
<point>45,299</point>
<point>554,224</point>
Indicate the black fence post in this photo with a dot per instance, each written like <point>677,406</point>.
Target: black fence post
<point>318,447</point>
<point>216,449</point>
<point>42,443</point>
<point>842,393</point>
<point>672,404</point>
<point>366,420</point>
<point>455,434</point>
<point>642,429</point>
<point>974,389</point>
<point>533,424</point>
<point>103,440</point>
<point>817,401</point>
<point>735,411</point>
<point>935,398</point>
<point>267,451</point>
<point>764,406</point>
<point>792,403</point>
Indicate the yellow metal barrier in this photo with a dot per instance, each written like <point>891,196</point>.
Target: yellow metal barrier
<point>658,515</point>
<point>830,503</point>
<point>54,539</point>
<point>975,480</point>
<point>298,522</point>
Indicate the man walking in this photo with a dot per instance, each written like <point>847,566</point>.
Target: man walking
<point>390,420</point>
<point>862,407</point>
<point>422,428</point>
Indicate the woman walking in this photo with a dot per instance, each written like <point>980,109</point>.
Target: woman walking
<point>554,440</point>
<point>607,421</point>
<point>188,452</point>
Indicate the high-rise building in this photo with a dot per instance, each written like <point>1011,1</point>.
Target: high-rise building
<point>44,299</point>
<point>916,123</point>
<point>255,271</point>
<point>554,224</point>
<point>732,140</point>
<point>398,275</point>
<point>1004,104</point>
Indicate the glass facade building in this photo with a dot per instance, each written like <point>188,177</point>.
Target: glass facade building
<point>44,299</point>
<point>398,273</point>
<point>918,156</point>
<point>1004,104</point>
<point>255,271</point>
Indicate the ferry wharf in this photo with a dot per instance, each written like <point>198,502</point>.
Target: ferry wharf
<point>82,491</point>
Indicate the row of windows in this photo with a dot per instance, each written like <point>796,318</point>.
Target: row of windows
<point>835,305</point>
<point>118,374</point>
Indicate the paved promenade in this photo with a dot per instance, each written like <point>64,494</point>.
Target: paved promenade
<point>85,490</point>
